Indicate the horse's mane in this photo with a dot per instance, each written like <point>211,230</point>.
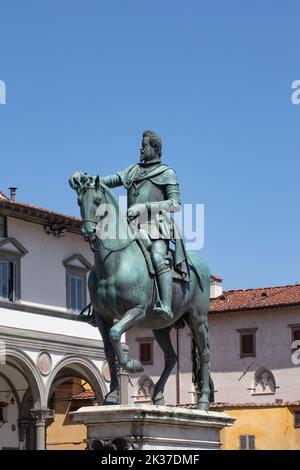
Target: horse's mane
<point>80,181</point>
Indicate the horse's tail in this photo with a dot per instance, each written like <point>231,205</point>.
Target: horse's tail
<point>196,362</point>
<point>197,374</point>
<point>201,270</point>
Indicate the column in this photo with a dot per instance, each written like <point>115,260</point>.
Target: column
<point>42,418</point>
<point>24,425</point>
<point>123,381</point>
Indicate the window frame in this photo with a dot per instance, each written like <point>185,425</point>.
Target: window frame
<point>294,328</point>
<point>296,418</point>
<point>73,271</point>
<point>146,341</point>
<point>13,258</point>
<point>244,332</point>
<point>247,436</point>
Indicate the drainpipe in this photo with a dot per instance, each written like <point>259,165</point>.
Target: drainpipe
<point>177,369</point>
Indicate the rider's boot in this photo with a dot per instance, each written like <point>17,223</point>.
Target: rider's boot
<point>164,282</point>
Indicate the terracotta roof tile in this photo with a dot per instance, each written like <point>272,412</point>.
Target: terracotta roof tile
<point>244,405</point>
<point>86,395</point>
<point>39,212</point>
<point>215,277</point>
<point>252,299</point>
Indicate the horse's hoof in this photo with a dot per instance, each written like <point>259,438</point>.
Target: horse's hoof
<point>159,400</point>
<point>111,399</point>
<point>203,405</point>
<point>133,366</point>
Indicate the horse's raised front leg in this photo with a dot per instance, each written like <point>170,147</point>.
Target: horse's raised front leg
<point>164,341</point>
<point>113,396</point>
<point>131,318</point>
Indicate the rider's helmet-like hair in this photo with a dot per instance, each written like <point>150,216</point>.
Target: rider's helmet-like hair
<point>155,141</point>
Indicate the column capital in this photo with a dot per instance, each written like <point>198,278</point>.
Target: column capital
<point>42,417</point>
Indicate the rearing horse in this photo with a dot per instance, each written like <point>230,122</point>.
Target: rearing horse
<point>122,291</point>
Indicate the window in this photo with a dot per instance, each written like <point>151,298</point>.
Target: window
<point>247,442</point>
<point>296,335</point>
<point>297,419</point>
<point>146,351</point>
<point>247,346</point>
<point>76,287</point>
<point>3,226</point>
<point>247,342</point>
<point>11,252</point>
<point>77,268</point>
<point>8,280</point>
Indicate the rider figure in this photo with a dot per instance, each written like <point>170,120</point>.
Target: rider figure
<point>152,191</point>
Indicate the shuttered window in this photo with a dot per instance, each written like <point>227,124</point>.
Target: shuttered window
<point>296,335</point>
<point>146,353</point>
<point>247,342</point>
<point>297,419</point>
<point>247,442</point>
<point>146,350</point>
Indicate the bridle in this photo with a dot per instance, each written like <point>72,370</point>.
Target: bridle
<point>94,244</point>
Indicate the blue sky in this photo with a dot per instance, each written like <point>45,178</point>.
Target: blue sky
<point>85,78</point>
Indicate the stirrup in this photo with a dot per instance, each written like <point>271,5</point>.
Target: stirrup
<point>165,313</point>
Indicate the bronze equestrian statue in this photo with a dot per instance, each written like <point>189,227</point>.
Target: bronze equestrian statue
<point>136,279</point>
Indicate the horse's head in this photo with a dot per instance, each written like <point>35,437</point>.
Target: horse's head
<point>90,195</point>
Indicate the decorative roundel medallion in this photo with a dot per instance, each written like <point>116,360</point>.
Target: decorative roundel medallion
<point>44,363</point>
<point>105,371</point>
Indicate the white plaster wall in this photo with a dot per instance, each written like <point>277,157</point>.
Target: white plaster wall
<point>273,350</point>
<point>43,276</point>
<point>48,324</point>
<point>154,371</point>
<point>19,382</point>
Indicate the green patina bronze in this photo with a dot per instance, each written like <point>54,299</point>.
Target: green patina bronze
<point>135,281</point>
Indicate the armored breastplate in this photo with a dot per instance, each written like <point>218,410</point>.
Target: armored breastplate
<point>145,191</point>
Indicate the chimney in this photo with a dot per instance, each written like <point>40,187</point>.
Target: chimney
<point>13,192</point>
<point>216,288</point>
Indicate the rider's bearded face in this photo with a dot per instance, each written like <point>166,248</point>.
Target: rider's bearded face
<point>148,153</point>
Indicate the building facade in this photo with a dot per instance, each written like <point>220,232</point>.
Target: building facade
<point>51,363</point>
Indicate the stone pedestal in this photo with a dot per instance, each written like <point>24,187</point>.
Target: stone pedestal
<point>150,427</point>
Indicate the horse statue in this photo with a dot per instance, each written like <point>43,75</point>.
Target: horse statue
<point>123,292</point>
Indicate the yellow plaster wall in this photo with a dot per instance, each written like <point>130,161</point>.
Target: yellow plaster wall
<point>273,427</point>
<point>62,434</point>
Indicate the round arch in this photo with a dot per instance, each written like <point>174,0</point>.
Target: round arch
<point>12,387</point>
<point>81,367</point>
<point>33,377</point>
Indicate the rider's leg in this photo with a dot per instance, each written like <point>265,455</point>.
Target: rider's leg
<point>164,278</point>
